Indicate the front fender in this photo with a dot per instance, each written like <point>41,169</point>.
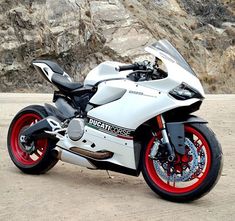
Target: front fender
<point>176,132</point>
<point>188,119</point>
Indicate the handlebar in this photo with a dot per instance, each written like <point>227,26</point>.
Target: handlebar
<point>142,71</point>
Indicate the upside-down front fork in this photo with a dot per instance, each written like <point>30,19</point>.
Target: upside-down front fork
<point>166,142</point>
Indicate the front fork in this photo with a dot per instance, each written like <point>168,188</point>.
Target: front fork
<point>166,142</point>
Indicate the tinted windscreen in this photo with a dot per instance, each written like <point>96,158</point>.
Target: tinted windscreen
<point>168,48</point>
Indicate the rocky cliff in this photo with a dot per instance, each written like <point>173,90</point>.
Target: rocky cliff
<point>79,34</point>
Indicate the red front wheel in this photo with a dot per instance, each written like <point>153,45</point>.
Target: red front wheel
<point>189,176</point>
<point>37,157</point>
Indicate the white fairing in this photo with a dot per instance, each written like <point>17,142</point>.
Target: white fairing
<point>176,74</point>
<point>126,105</point>
<point>136,106</point>
<point>122,149</point>
<point>129,104</point>
<point>108,93</point>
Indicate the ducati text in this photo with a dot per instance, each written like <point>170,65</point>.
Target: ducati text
<point>109,128</point>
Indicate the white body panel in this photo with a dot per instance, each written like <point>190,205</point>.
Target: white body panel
<point>104,71</point>
<point>123,149</point>
<point>136,106</point>
<point>107,93</point>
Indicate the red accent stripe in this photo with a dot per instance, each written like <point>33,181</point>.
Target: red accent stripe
<point>126,138</point>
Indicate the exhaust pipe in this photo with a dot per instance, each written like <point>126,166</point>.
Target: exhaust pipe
<point>100,155</point>
<point>72,158</point>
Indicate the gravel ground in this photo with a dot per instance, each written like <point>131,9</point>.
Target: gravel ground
<point>70,192</point>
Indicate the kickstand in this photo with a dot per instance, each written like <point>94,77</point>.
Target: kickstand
<point>110,177</point>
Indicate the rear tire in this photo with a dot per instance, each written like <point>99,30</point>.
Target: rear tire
<point>42,159</point>
<point>201,182</point>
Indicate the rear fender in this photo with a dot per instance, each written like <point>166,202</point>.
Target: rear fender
<point>176,131</point>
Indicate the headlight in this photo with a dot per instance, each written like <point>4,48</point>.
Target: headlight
<point>184,92</point>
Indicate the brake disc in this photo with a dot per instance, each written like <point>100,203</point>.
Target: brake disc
<point>162,168</point>
<point>201,165</point>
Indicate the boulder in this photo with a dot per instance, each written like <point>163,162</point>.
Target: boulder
<point>79,34</point>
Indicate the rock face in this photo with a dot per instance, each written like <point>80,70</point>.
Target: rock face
<point>79,34</point>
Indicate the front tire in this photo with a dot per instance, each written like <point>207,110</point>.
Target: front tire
<point>179,183</point>
<point>41,159</point>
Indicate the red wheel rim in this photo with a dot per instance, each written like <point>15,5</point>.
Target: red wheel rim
<point>19,154</point>
<point>197,180</point>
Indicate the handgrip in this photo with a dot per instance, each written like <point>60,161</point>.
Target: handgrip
<point>127,67</point>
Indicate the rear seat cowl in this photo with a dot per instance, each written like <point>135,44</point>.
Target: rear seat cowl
<point>53,65</point>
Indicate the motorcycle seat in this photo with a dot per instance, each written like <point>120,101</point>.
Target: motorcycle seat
<point>58,79</point>
<point>63,84</point>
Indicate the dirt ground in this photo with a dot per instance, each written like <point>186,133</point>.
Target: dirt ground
<point>69,192</point>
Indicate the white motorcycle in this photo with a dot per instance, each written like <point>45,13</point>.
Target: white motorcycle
<point>124,118</point>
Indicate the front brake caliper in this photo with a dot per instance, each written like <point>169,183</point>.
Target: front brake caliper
<point>154,150</point>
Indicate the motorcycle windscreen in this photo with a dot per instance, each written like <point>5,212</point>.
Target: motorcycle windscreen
<point>168,48</point>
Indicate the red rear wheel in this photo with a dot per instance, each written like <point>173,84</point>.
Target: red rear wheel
<point>38,159</point>
<point>191,174</point>
<point>18,151</point>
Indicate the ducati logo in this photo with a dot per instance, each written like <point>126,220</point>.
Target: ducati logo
<point>109,128</point>
<point>99,124</point>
